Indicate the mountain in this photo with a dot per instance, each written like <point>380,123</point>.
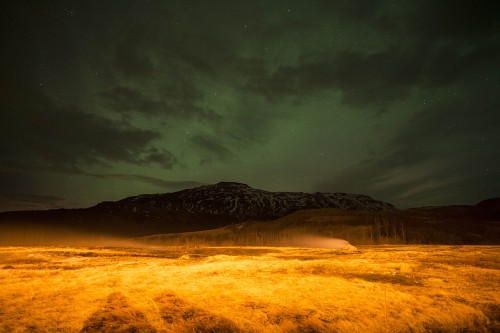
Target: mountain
<point>234,213</point>
<point>242,202</point>
<point>201,208</point>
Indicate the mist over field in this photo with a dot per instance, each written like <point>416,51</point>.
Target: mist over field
<point>320,242</point>
<point>57,236</point>
<point>69,237</point>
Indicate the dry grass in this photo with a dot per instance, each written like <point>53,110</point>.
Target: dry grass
<point>379,289</point>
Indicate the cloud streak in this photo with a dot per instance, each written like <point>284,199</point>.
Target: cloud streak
<point>161,183</point>
<point>443,150</point>
<point>26,201</point>
<point>44,136</point>
<point>405,95</point>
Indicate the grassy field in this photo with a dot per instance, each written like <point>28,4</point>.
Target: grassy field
<point>250,289</point>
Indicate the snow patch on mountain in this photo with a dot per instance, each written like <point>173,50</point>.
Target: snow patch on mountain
<point>244,202</point>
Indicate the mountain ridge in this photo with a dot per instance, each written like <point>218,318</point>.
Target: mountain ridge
<point>224,204</point>
<point>244,202</point>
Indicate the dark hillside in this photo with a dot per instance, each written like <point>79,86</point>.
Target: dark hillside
<point>447,225</point>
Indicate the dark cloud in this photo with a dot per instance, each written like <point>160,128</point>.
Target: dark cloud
<point>41,135</point>
<point>447,19</point>
<point>31,34</point>
<point>250,124</point>
<point>207,44</point>
<point>159,157</point>
<point>181,98</point>
<point>351,9</point>
<point>213,147</point>
<point>434,44</point>
<point>453,118</point>
<point>125,100</point>
<point>161,183</point>
<point>43,132</point>
<point>274,86</point>
<point>446,153</point>
<point>131,62</point>
<point>373,79</point>
<point>14,181</point>
<point>12,202</point>
<point>451,63</point>
<point>179,88</point>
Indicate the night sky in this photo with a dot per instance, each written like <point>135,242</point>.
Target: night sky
<point>105,99</point>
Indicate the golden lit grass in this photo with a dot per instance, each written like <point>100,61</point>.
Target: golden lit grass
<point>379,289</point>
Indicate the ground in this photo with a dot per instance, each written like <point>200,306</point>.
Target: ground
<point>250,289</point>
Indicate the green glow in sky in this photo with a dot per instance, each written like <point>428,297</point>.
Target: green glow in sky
<point>105,99</point>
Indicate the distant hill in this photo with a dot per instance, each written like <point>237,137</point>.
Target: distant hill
<point>241,202</point>
<point>234,213</point>
<point>201,208</point>
<point>478,224</point>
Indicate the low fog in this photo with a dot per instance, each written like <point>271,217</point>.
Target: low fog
<point>320,242</point>
<point>50,236</point>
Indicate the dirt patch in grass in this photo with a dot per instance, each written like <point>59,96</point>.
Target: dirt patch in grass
<point>183,316</point>
<point>492,311</point>
<point>118,316</point>
<point>384,278</point>
<point>294,319</point>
